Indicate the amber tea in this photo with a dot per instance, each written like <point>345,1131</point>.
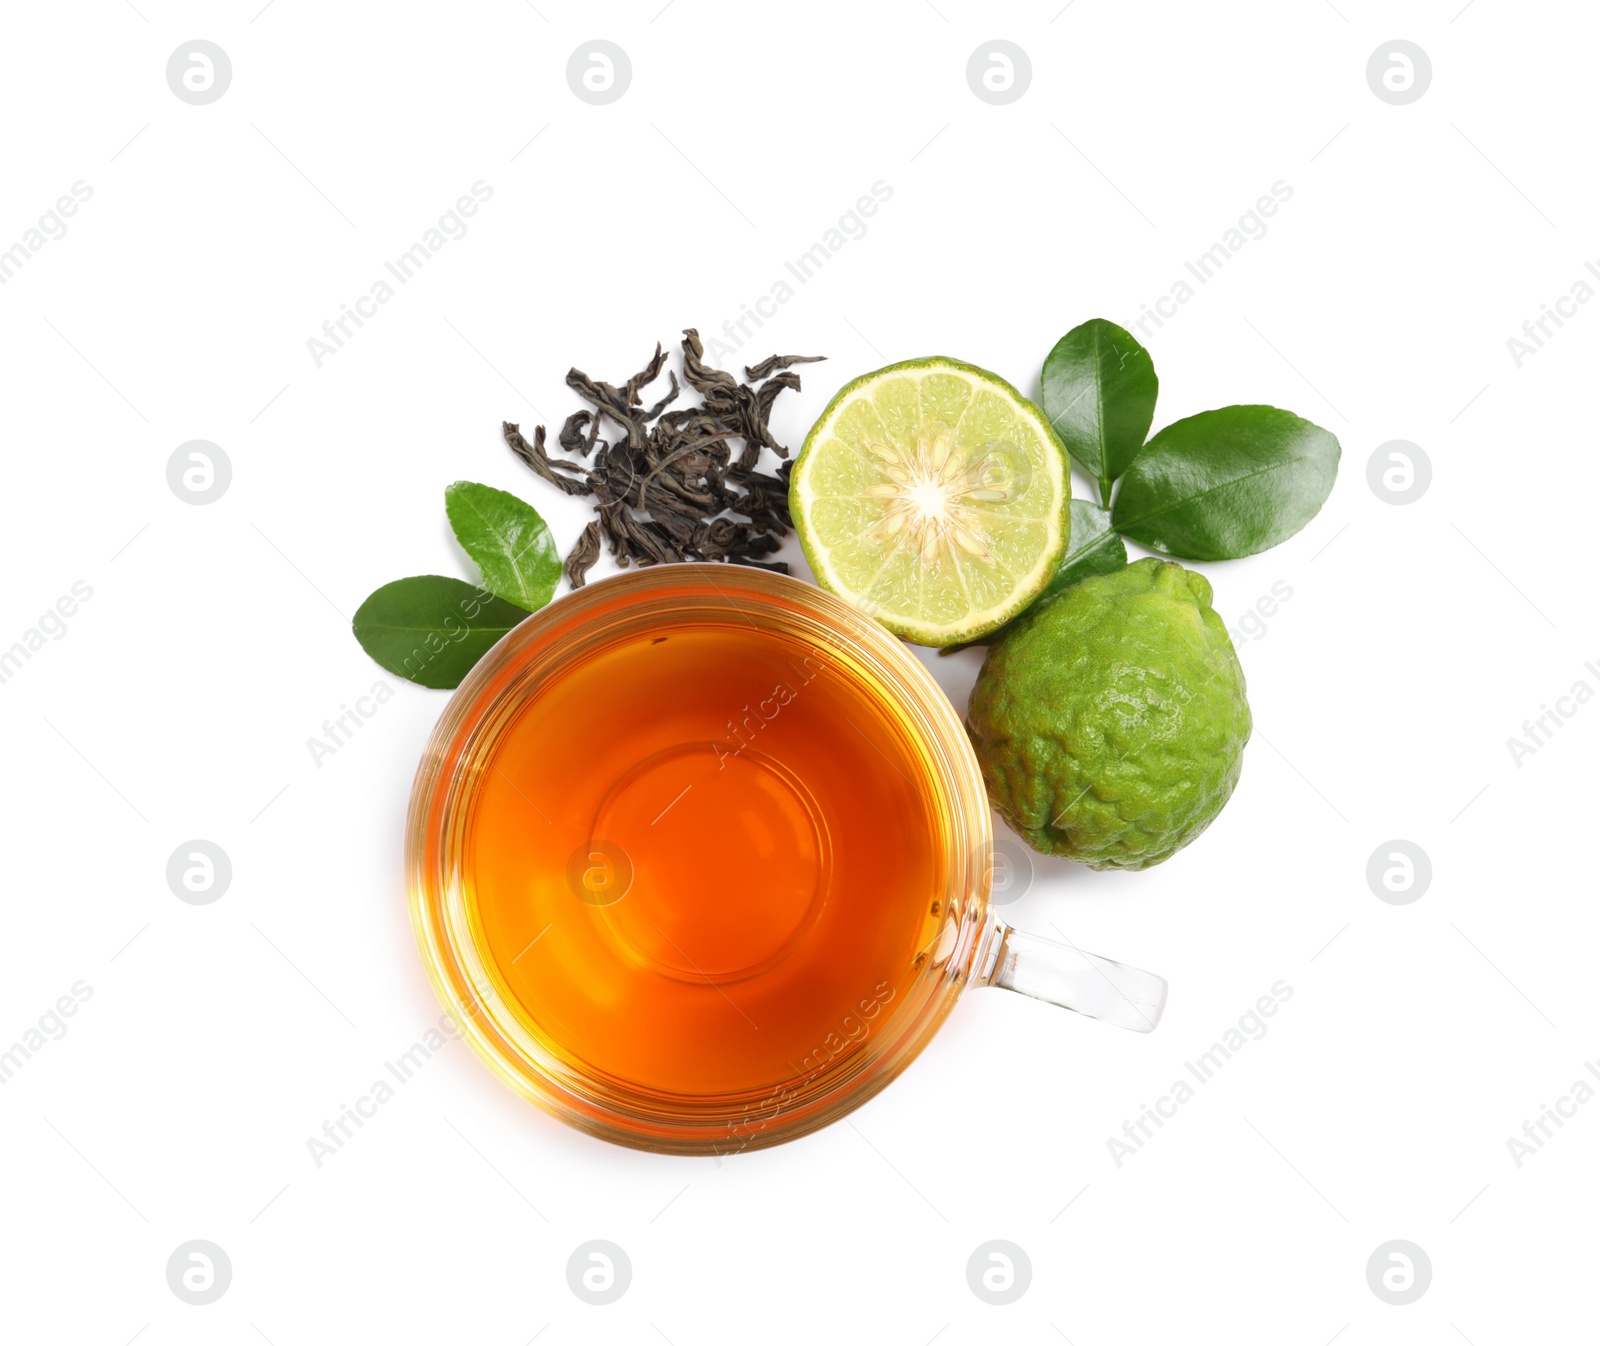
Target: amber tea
<point>704,860</point>
<point>700,858</point>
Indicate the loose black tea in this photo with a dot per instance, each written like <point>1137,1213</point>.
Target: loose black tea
<point>668,487</point>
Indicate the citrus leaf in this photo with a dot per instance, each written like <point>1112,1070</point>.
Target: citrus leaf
<point>1099,391</point>
<point>431,628</point>
<point>509,541</point>
<point>1095,549</point>
<point>1226,483</point>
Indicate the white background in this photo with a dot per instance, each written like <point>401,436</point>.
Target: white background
<point>178,703</point>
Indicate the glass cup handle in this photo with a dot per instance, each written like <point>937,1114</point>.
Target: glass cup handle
<point>1065,975</point>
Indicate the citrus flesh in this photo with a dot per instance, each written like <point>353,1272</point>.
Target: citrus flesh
<point>1110,722</point>
<point>932,495</point>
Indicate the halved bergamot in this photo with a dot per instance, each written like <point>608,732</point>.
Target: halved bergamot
<point>933,496</point>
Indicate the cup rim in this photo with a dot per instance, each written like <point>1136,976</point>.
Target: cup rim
<point>488,699</point>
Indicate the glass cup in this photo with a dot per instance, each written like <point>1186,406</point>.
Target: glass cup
<point>967,943</point>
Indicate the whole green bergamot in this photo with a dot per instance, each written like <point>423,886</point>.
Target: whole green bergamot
<point>1110,721</point>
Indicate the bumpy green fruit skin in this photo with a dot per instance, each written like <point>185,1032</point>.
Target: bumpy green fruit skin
<point>1110,721</point>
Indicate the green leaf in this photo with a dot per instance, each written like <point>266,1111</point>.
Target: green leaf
<point>509,541</point>
<point>432,629</point>
<point>1226,483</point>
<point>1099,391</point>
<point>1094,550</point>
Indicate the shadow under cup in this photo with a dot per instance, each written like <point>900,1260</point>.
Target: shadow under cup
<point>699,858</point>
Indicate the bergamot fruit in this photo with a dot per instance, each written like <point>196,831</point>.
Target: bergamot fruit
<point>933,495</point>
<point>1110,721</point>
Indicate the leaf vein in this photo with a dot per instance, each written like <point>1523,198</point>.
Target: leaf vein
<point>1124,524</point>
